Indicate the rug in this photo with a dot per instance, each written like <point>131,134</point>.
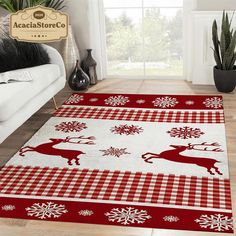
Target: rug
<point>155,161</point>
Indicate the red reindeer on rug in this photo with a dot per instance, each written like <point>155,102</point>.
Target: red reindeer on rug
<point>175,156</point>
<point>49,149</point>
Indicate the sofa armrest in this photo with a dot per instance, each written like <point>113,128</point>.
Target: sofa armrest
<point>55,58</point>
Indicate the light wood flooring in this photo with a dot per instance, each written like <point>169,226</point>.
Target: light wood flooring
<point>15,227</point>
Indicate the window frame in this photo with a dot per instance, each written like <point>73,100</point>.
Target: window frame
<point>103,45</point>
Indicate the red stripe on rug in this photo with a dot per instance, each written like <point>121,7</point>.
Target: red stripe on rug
<point>122,186</point>
<point>88,184</point>
<point>180,191</point>
<point>156,191</point>
<point>194,117</point>
<point>134,186</point>
<point>145,188</point>
<point>78,183</point>
<point>209,118</point>
<point>216,193</point>
<point>100,184</point>
<point>204,192</point>
<point>186,117</point>
<point>71,176</point>
<point>111,185</point>
<point>192,191</point>
<point>202,117</point>
<point>227,194</point>
<point>178,117</point>
<point>168,190</point>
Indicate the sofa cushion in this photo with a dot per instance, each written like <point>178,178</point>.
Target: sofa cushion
<point>13,96</point>
<point>15,54</point>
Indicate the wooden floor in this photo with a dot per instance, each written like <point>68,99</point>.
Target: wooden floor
<point>14,227</point>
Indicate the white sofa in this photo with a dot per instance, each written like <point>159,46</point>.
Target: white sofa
<point>20,100</point>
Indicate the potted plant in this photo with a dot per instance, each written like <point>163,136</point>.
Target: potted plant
<point>225,55</point>
<point>16,5</point>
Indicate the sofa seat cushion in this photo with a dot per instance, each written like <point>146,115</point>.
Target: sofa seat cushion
<point>13,96</point>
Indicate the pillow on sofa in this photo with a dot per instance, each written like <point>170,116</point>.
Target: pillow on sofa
<point>17,55</point>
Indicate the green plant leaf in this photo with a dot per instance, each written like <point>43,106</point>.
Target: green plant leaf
<point>16,5</point>
<point>56,4</point>
<point>216,42</point>
<point>7,5</point>
<point>218,61</point>
<point>231,67</point>
<point>228,34</point>
<point>230,52</point>
<point>223,49</point>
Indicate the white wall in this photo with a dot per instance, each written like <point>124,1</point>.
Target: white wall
<point>215,5</point>
<point>2,12</point>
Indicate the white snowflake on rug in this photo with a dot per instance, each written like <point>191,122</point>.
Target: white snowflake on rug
<point>119,100</point>
<point>128,215</point>
<point>93,99</point>
<point>46,210</point>
<point>171,219</point>
<point>85,212</point>
<point>74,99</point>
<point>140,101</point>
<point>127,129</point>
<point>185,132</point>
<point>165,102</point>
<point>214,102</point>
<point>8,207</point>
<point>71,126</point>
<point>117,152</point>
<point>217,222</point>
<point>189,102</point>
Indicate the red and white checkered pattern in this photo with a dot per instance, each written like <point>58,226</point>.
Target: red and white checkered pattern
<point>116,186</point>
<point>174,116</point>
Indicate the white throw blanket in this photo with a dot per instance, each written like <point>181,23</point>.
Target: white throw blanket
<point>15,76</point>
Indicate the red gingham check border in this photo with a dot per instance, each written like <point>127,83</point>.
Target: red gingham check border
<point>173,116</point>
<point>116,186</point>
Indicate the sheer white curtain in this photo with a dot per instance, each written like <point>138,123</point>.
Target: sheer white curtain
<point>96,39</point>
<point>189,6</point>
<point>85,20</point>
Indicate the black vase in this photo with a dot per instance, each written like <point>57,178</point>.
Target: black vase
<point>225,80</point>
<point>89,66</point>
<point>78,80</point>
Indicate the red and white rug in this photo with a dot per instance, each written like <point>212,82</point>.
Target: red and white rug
<point>156,161</point>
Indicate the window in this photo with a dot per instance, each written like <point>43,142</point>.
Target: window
<point>143,38</point>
